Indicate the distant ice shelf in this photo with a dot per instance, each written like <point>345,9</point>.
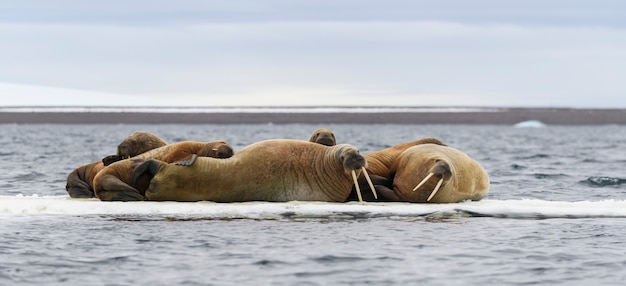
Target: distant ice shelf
<point>530,124</point>
<point>304,109</point>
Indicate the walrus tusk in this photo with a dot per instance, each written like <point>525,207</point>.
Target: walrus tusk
<point>356,184</point>
<point>369,181</point>
<point>423,181</point>
<point>435,190</point>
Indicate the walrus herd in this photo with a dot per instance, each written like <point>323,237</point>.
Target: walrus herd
<point>146,167</point>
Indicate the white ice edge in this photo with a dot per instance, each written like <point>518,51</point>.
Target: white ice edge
<point>525,208</point>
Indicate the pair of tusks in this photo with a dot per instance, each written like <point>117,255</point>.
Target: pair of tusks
<point>436,187</point>
<point>369,181</point>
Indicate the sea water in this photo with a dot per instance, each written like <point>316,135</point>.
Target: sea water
<point>555,214</point>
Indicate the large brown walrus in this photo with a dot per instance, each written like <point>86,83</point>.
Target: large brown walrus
<point>80,181</point>
<point>272,170</point>
<point>380,163</point>
<point>437,174</point>
<point>112,182</point>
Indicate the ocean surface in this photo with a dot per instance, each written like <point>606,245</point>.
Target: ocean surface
<point>555,215</point>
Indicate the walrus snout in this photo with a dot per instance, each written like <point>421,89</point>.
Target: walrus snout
<point>219,150</point>
<point>353,160</point>
<point>441,169</point>
<point>325,140</point>
<point>224,151</point>
<point>124,150</point>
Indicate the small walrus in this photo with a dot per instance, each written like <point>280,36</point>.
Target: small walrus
<point>80,181</point>
<point>112,182</point>
<point>323,136</point>
<point>272,170</point>
<point>380,163</point>
<point>437,174</point>
<point>138,143</point>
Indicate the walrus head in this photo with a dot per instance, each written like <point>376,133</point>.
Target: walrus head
<point>350,158</point>
<point>137,143</point>
<point>217,149</point>
<point>353,163</point>
<point>441,171</point>
<point>323,136</point>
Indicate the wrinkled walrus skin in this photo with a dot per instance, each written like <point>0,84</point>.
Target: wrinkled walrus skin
<point>112,182</point>
<point>379,167</point>
<point>271,170</point>
<point>463,177</point>
<point>80,181</point>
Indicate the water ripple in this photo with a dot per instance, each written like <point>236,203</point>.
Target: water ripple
<point>603,181</point>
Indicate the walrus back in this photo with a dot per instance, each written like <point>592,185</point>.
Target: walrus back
<point>271,170</point>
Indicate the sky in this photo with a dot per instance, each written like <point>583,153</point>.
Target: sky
<point>480,53</point>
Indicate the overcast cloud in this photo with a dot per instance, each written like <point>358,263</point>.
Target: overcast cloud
<point>215,53</point>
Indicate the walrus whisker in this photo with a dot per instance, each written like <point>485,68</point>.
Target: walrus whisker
<point>356,184</point>
<point>423,181</point>
<point>369,181</point>
<point>435,190</point>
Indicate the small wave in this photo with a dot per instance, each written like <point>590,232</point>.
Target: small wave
<point>548,176</point>
<point>267,262</point>
<point>603,181</point>
<point>334,259</point>
<point>28,177</point>
<point>105,261</point>
<point>517,167</point>
<point>535,156</point>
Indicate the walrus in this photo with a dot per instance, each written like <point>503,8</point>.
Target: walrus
<point>137,143</point>
<point>380,163</point>
<point>323,136</point>
<point>112,182</point>
<point>272,170</point>
<point>79,182</point>
<point>437,174</point>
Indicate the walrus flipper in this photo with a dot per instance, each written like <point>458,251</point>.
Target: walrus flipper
<point>76,187</point>
<point>187,162</point>
<point>387,193</point>
<point>108,160</point>
<point>369,196</point>
<point>143,174</point>
<point>114,189</point>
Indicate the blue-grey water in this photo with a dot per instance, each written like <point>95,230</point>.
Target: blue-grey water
<point>554,164</point>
